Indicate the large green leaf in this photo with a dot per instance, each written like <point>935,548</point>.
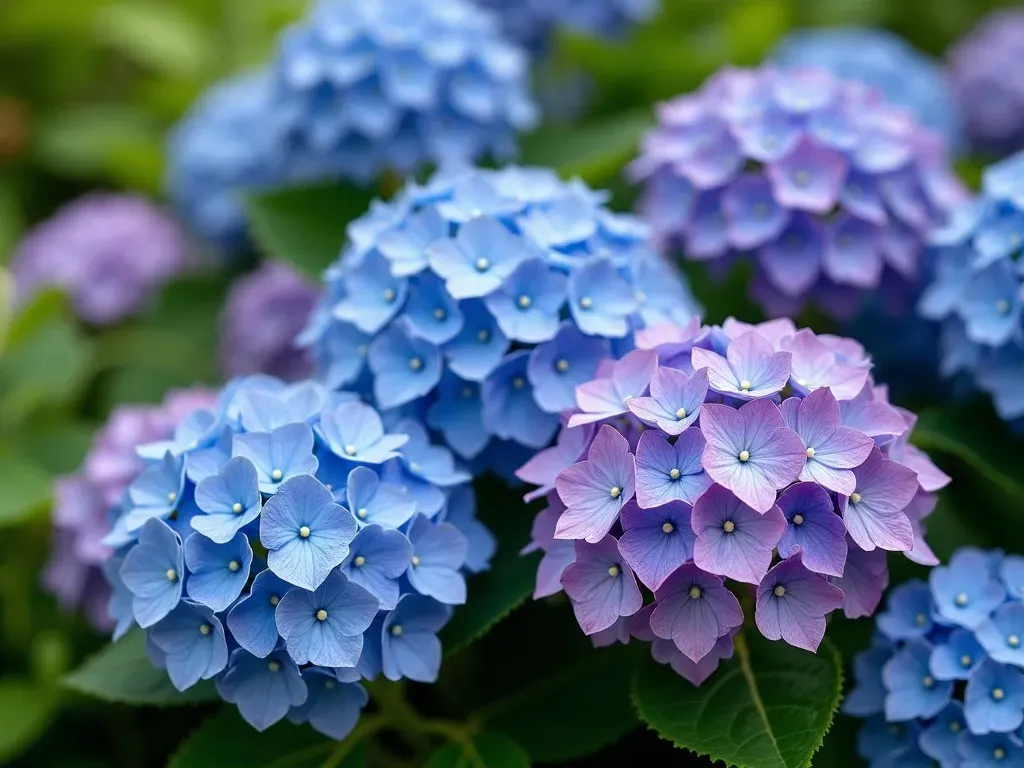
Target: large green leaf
<point>572,712</point>
<point>158,35</point>
<point>25,712</point>
<point>27,489</point>
<point>226,740</point>
<point>485,750</point>
<point>768,707</point>
<point>305,226</point>
<point>973,434</point>
<point>496,592</point>
<point>122,673</point>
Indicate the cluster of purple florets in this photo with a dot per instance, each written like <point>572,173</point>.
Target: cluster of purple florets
<point>943,678</point>
<point>976,288</point>
<point>479,301</point>
<point>831,189</point>
<point>758,454</point>
<point>285,545</point>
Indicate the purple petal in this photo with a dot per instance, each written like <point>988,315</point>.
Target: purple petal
<point>734,540</point>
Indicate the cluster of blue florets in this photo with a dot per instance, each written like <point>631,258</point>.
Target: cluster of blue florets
<point>943,679</point>
<point>976,288</point>
<point>287,546</point>
<point>479,301</point>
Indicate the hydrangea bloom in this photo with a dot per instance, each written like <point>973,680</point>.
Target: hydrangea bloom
<point>830,188</point>
<point>975,288</point>
<point>362,87</point>
<point>108,252</point>
<point>884,61</point>
<point>532,22</point>
<point>286,544</point>
<point>83,500</point>
<point>479,302</point>
<point>756,454</point>
<point>263,313</point>
<point>991,103</point>
<point>944,671</point>
<point>221,149</point>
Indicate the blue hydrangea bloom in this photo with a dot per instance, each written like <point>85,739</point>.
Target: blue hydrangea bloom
<point>367,548</point>
<point>944,678</point>
<point>907,77</point>
<point>975,288</point>
<point>830,189</point>
<point>477,302</point>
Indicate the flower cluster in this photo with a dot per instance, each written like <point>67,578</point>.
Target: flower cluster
<point>884,61</point>
<point>696,457</point>
<point>976,288</point>
<point>285,545</point>
<point>942,680</point>
<point>533,22</point>
<point>830,188</point>
<point>990,100</point>
<point>83,501</point>
<point>109,252</point>
<point>479,301</point>
<point>263,313</point>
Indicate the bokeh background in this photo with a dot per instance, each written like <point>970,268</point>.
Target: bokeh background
<point>88,92</point>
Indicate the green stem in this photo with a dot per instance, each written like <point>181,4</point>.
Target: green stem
<point>362,732</point>
<point>404,720</point>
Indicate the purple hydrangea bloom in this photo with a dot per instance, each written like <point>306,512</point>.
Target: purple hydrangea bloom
<point>263,313</point>
<point>481,301</point>
<point>368,537</point>
<point>798,501</point>
<point>109,253</point>
<point>844,189</point>
<point>991,105</point>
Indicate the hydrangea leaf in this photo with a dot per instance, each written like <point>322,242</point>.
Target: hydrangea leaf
<point>226,739</point>
<point>768,707</point>
<point>495,593</point>
<point>122,673</point>
<point>27,489</point>
<point>25,710</point>
<point>49,367</point>
<point>973,435</point>
<point>305,226</point>
<point>486,750</point>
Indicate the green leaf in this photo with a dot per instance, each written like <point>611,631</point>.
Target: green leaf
<point>27,490</point>
<point>768,707</point>
<point>25,711</point>
<point>158,35</point>
<point>485,750</point>
<point>59,448</point>
<point>121,672</point>
<point>305,226</point>
<point>493,594</point>
<point>973,434</point>
<point>226,739</point>
<point>572,712</point>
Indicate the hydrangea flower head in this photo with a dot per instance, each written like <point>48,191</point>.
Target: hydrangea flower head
<point>883,61</point>
<point>109,252</point>
<point>945,668</point>
<point>366,86</point>
<point>263,313</point>
<point>292,548</point>
<point>975,288</point>
<point>84,499</point>
<point>771,472</point>
<point>479,302</point>
<point>992,104</point>
<point>830,188</point>
<point>533,22</point>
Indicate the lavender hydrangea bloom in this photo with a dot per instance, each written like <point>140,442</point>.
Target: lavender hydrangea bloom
<point>992,105</point>
<point>355,523</point>
<point>975,289</point>
<point>109,253</point>
<point>796,500</point>
<point>845,186</point>
<point>481,300</point>
<point>263,313</point>
<point>912,674</point>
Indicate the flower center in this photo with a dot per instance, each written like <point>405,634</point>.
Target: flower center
<point>613,571</point>
<point>966,661</point>
<point>695,592</point>
<point>681,413</point>
<point>728,526</point>
<point>204,629</point>
<point>927,681</point>
<point>389,295</point>
<point>955,727</point>
<point>362,513</point>
<point>276,475</point>
<point>801,178</point>
<point>415,561</point>
<point>234,565</point>
<point>524,301</point>
<point>415,363</point>
<point>998,753</point>
<point>779,591</point>
<point>483,336</point>
<point>798,519</point>
<point>274,600</point>
<point>810,453</point>
<point>961,599</point>
<point>172,496</point>
<point>467,392</point>
<point>359,562</point>
<point>920,619</point>
<point>1013,641</point>
<point>667,527</point>
<point>586,302</point>
<point>482,264</point>
<point>396,630</point>
<point>321,615</point>
<point>172,575</point>
<point>674,473</point>
<point>274,666</point>
<point>1002,306</point>
<point>329,685</point>
<point>855,497</point>
<point>440,314</point>
<point>236,507</point>
<point>744,456</point>
<point>745,385</point>
<point>304,531</point>
<point>518,382</point>
<point>615,492</point>
<point>562,365</point>
<point>801,382</point>
<point>998,694</point>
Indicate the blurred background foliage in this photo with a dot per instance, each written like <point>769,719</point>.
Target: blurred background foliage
<point>88,91</point>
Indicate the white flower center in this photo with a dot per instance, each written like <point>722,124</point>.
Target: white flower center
<point>518,382</point>
<point>745,385</point>
<point>695,592</point>
<point>855,498</point>
<point>321,615</point>
<point>304,531</point>
<point>810,453</point>
<point>615,492</point>
<point>674,473</point>
<point>204,629</point>
<point>681,413</point>
<point>524,301</point>
<point>172,575</point>
<point>779,591</point>
<point>798,519</point>
<point>361,513</point>
<point>961,599</point>
<point>482,264</point>
<point>998,694</point>
<point>351,450</point>
<point>744,456</point>
<point>172,496</point>
<point>415,561</point>
<point>274,666</point>
<point>234,565</point>
<point>415,363</point>
<point>966,661</point>
<point>236,507</point>
<point>396,630</point>
<point>359,562</point>
<point>728,526</point>
<point>440,314</point>
<point>277,474</point>
<point>613,571</point>
<point>586,302</point>
<point>483,336</point>
<point>667,527</point>
<point>927,681</point>
<point>389,295</point>
<point>562,365</point>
